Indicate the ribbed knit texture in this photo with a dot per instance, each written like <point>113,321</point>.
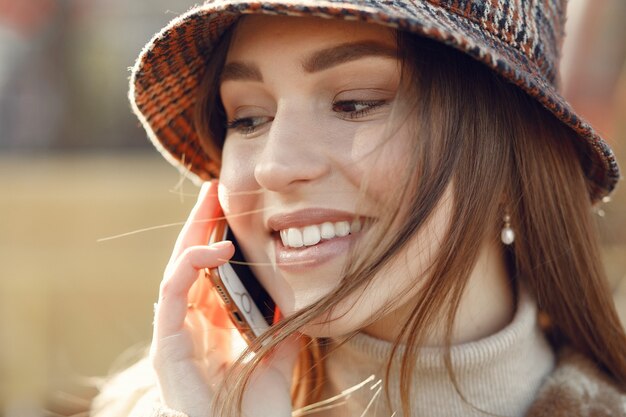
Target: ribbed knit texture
<point>500,374</point>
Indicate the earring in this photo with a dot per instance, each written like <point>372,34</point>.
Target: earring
<point>507,235</point>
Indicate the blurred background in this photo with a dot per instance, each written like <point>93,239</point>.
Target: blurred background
<point>75,168</point>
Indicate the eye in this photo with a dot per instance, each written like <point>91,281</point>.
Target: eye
<point>248,125</point>
<point>354,109</point>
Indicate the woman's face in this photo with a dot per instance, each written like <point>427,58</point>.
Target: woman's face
<point>307,101</point>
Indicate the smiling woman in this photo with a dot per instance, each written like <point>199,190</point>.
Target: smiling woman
<point>389,193</point>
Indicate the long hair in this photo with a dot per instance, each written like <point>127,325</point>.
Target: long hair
<point>498,150</point>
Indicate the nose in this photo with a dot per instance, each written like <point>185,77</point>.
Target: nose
<point>294,152</point>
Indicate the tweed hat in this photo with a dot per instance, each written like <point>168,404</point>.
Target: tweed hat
<point>518,39</point>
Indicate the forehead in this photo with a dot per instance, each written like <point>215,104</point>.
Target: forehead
<point>260,34</point>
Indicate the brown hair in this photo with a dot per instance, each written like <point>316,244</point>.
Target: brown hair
<point>499,149</point>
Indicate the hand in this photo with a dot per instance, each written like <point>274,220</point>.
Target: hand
<point>191,344</point>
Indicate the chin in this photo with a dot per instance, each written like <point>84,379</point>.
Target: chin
<point>341,323</point>
<point>294,292</point>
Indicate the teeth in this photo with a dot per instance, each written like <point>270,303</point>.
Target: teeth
<point>342,229</point>
<point>296,237</point>
<point>355,227</point>
<point>283,237</point>
<point>311,235</point>
<point>328,230</point>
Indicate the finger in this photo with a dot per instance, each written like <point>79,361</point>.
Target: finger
<point>200,222</point>
<point>173,294</point>
<point>200,295</point>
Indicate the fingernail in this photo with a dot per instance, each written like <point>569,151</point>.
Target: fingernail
<point>221,245</point>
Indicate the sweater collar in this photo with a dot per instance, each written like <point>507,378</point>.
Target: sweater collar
<point>499,374</point>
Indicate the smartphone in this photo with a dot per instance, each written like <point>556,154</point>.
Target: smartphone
<point>248,304</point>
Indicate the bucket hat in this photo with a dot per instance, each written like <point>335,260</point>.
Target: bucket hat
<point>518,39</point>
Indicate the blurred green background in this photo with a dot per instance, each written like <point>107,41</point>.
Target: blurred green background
<point>75,167</point>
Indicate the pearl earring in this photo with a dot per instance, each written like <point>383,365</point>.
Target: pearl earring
<point>507,235</point>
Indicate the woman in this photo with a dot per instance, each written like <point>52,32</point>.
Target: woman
<point>410,189</point>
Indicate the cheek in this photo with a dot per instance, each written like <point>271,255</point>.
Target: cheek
<point>379,159</point>
<point>239,198</point>
<point>395,287</point>
<point>237,184</point>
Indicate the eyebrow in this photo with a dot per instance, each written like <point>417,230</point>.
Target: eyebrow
<point>317,61</point>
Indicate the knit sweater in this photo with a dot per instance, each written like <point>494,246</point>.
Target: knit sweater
<point>513,372</point>
<point>499,374</point>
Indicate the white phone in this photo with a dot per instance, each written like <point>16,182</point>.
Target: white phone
<point>248,304</point>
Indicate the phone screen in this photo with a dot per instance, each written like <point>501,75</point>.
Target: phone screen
<point>260,297</point>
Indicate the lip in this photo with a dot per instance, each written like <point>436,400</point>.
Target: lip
<point>296,260</point>
<point>309,216</point>
<point>301,259</point>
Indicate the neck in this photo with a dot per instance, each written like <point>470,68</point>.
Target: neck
<point>487,304</point>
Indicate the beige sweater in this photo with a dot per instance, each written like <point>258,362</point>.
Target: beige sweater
<point>511,373</point>
<point>500,374</point>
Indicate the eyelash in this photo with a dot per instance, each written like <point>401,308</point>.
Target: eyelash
<point>371,105</point>
<point>242,125</point>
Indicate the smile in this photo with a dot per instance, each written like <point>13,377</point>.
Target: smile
<point>307,238</point>
<point>297,237</point>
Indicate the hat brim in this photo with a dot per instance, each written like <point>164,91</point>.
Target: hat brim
<point>169,69</point>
